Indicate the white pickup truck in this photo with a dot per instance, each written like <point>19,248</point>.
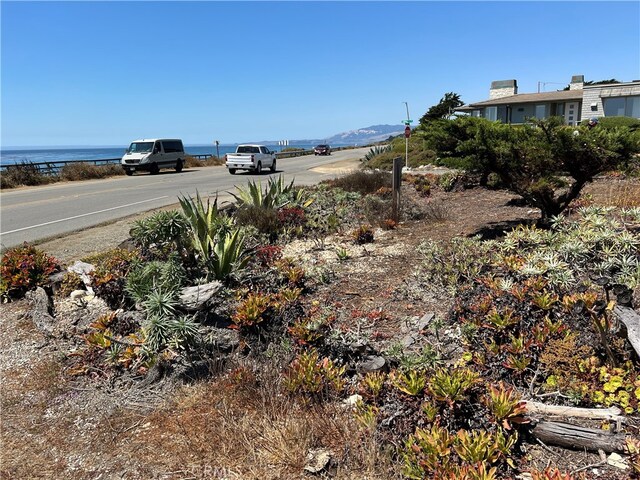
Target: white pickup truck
<point>251,157</point>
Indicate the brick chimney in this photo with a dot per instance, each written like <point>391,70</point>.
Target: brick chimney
<point>577,82</point>
<point>503,88</point>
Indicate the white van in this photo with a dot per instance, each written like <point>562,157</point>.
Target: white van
<point>153,154</point>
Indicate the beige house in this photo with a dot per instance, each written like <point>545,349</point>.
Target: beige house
<point>580,101</point>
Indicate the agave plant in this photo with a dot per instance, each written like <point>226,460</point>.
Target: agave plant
<point>228,255</point>
<point>205,223</point>
<point>375,151</point>
<point>275,195</point>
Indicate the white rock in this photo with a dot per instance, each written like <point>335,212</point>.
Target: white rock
<point>617,461</point>
<point>352,400</point>
<point>317,460</point>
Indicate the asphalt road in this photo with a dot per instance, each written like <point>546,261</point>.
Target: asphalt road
<point>35,213</point>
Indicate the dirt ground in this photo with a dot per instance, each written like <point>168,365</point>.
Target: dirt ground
<point>57,427</point>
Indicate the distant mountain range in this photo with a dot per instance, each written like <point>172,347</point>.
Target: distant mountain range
<point>361,136</point>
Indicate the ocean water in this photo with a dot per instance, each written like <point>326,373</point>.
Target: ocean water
<point>36,155</point>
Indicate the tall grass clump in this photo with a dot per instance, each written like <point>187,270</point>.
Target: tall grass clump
<point>363,182</point>
<point>24,174</point>
<point>212,161</point>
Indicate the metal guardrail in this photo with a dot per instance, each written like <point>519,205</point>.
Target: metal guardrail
<point>54,167</point>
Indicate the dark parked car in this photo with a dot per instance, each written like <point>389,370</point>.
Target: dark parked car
<point>322,150</point>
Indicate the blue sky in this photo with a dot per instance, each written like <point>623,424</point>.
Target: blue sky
<point>104,73</point>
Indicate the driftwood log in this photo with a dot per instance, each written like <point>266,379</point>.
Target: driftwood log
<point>631,319</point>
<point>580,438</point>
<point>611,413</point>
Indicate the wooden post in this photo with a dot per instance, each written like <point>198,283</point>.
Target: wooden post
<point>397,182</point>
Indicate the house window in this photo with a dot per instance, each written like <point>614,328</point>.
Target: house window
<point>541,111</point>
<point>622,107</point>
<point>557,109</point>
<point>491,113</point>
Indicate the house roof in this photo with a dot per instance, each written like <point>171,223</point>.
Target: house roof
<point>562,95</point>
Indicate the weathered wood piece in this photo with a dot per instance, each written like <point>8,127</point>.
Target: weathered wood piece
<point>631,320</point>
<point>579,438</point>
<point>611,413</point>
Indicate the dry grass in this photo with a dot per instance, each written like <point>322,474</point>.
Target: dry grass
<point>30,439</point>
<point>246,428</point>
<point>86,171</point>
<point>626,196</point>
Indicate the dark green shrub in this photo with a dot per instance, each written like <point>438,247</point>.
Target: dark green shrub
<point>24,268</point>
<point>265,220</point>
<point>545,162</point>
<point>614,122</point>
<point>85,171</point>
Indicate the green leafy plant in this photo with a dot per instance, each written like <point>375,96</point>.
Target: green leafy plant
<point>376,151</point>
<point>24,268</point>
<point>310,375</point>
<point>426,452</point>
<point>412,383</point>
<point>475,447</point>
<point>342,254</point>
<point>251,312</point>
<point>373,383</point>
<point>451,386</point>
<point>366,415</point>
<point>504,403</point>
